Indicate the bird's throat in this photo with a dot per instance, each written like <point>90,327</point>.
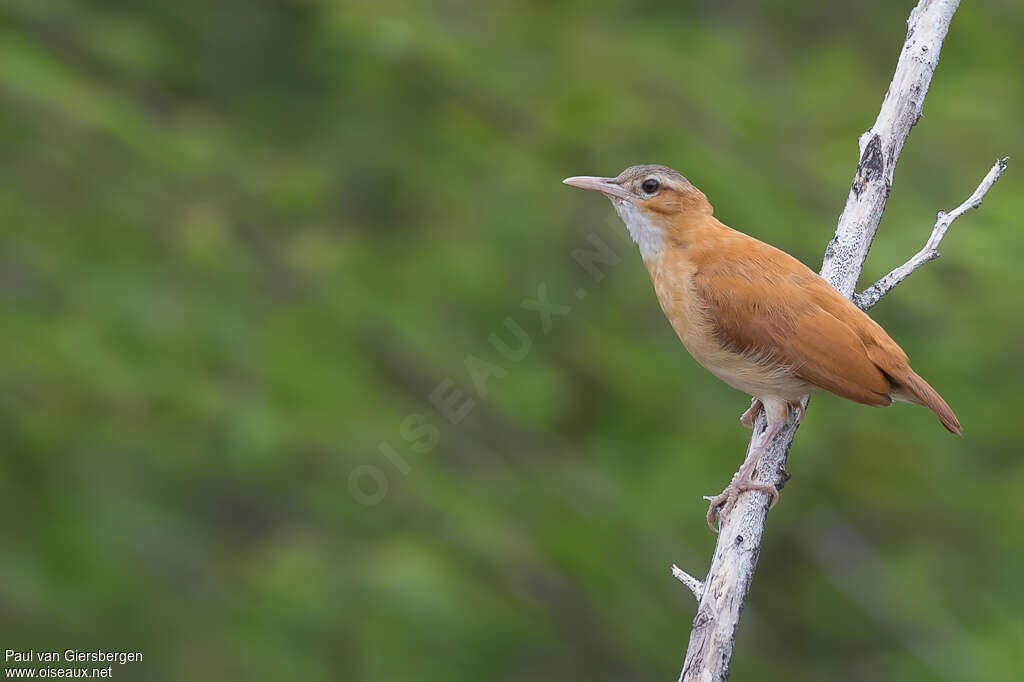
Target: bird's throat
<point>648,236</point>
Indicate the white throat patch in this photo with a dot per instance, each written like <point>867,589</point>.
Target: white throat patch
<point>648,236</point>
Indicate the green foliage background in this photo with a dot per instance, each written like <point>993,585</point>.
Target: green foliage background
<point>241,241</point>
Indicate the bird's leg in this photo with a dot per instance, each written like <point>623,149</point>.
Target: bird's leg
<point>799,407</point>
<point>776,411</point>
<point>747,418</point>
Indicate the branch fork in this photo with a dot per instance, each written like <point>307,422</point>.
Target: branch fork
<point>695,586</point>
<point>874,293</point>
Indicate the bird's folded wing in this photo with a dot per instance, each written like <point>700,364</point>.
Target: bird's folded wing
<point>780,320</point>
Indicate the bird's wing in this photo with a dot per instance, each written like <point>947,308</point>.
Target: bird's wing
<point>785,314</point>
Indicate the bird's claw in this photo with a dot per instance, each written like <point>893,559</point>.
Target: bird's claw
<point>715,502</point>
<point>727,499</point>
<point>747,418</point>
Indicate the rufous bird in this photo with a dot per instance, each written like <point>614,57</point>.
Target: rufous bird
<point>754,316</point>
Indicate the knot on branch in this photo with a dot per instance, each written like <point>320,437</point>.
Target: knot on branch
<point>871,166</point>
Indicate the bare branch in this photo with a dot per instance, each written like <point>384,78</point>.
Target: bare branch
<point>874,293</point>
<point>739,540</point>
<point>692,584</point>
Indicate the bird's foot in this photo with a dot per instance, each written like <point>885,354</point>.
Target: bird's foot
<point>727,499</point>
<point>747,418</point>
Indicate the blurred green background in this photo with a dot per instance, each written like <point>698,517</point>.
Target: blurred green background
<point>243,241</point>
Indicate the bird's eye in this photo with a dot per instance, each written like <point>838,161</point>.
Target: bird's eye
<point>650,185</point>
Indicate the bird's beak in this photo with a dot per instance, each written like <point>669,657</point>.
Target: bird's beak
<point>606,186</point>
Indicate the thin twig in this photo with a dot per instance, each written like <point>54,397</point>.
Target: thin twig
<point>874,293</point>
<point>694,585</point>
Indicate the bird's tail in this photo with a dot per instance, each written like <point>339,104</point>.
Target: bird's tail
<point>913,388</point>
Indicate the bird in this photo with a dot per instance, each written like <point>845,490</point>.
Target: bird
<point>755,317</point>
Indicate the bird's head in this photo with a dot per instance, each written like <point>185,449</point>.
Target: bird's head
<point>655,202</point>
